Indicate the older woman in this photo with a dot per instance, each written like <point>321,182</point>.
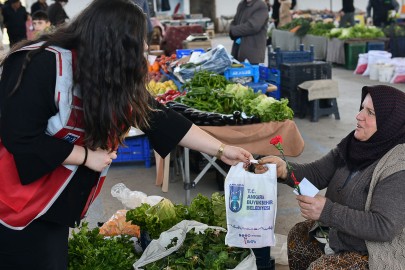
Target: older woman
<point>363,211</point>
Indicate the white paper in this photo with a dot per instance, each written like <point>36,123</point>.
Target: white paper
<point>307,188</point>
<point>151,59</point>
<point>254,161</point>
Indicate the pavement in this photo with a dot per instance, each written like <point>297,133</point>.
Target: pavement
<point>319,138</point>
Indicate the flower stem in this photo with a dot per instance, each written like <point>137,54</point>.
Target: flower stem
<point>324,235</point>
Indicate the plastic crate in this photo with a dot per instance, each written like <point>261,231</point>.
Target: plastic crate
<point>352,51</point>
<point>184,52</point>
<point>398,46</point>
<point>138,150</point>
<point>276,94</point>
<point>293,74</point>
<point>278,57</point>
<point>269,74</point>
<point>248,70</point>
<point>294,99</point>
<point>263,259</point>
<point>375,45</point>
<point>263,72</point>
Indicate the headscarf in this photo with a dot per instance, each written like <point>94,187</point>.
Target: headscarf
<point>389,107</point>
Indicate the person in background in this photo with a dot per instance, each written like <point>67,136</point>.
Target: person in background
<point>285,15</point>
<point>56,13</point>
<point>248,30</point>
<point>39,5</point>
<point>41,23</point>
<point>29,27</point>
<point>347,14</point>
<point>380,11</point>
<point>268,5</point>
<point>15,17</point>
<point>275,17</point>
<point>145,7</point>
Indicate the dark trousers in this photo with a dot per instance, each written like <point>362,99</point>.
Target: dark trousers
<point>16,37</point>
<point>42,245</point>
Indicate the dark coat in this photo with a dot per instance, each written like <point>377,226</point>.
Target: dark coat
<point>57,14</point>
<point>38,6</point>
<point>14,21</point>
<point>250,24</point>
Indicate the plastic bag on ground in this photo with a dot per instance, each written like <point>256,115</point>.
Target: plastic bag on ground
<point>399,75</point>
<point>279,251</point>
<point>362,63</point>
<point>117,225</point>
<point>157,248</point>
<point>376,57</point>
<point>251,206</point>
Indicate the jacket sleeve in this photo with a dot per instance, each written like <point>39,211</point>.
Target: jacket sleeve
<point>385,220</point>
<point>368,9</point>
<point>252,25</point>
<point>24,116</point>
<point>319,172</point>
<point>166,129</point>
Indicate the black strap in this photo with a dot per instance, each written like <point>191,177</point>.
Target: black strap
<point>85,157</point>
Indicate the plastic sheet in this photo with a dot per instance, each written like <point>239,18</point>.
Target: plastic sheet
<point>279,251</point>
<point>216,60</point>
<point>132,199</point>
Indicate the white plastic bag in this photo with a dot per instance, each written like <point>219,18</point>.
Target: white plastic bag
<point>133,199</point>
<point>157,248</point>
<point>279,251</point>
<point>375,57</point>
<point>399,75</point>
<point>362,63</point>
<point>251,206</point>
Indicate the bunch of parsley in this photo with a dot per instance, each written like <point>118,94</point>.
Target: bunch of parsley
<point>90,250</point>
<point>201,251</point>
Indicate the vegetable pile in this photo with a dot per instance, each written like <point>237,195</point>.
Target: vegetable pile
<point>164,215</point>
<point>232,104</point>
<point>321,29</point>
<point>90,250</point>
<point>356,31</point>
<point>201,251</point>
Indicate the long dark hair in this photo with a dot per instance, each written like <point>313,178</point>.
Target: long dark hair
<point>111,70</point>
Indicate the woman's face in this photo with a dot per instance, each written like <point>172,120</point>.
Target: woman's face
<point>366,121</point>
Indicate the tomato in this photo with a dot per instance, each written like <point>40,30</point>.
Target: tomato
<point>166,71</point>
<point>174,56</point>
<point>162,56</point>
<point>168,59</point>
<point>158,99</point>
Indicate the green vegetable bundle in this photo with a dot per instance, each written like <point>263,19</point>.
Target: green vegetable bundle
<point>164,215</point>
<point>201,251</point>
<point>268,108</point>
<point>321,29</point>
<point>90,250</point>
<point>356,31</point>
<point>293,24</point>
<point>205,78</point>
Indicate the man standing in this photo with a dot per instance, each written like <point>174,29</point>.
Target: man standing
<point>39,5</point>
<point>249,31</point>
<point>380,11</point>
<point>15,17</point>
<point>56,13</point>
<point>347,14</point>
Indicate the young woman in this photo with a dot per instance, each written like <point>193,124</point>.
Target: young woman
<point>67,100</point>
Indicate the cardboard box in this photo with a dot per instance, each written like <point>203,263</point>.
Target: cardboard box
<point>157,53</point>
<point>154,47</point>
<point>196,44</point>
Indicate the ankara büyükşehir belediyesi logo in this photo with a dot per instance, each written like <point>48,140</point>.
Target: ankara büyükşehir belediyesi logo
<point>235,198</point>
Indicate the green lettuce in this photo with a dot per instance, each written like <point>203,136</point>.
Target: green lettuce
<point>219,209</point>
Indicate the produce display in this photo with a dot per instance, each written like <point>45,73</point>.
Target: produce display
<point>118,225</point>
<point>88,249</point>
<point>201,251</point>
<point>164,215</point>
<point>356,31</point>
<point>156,88</point>
<point>162,62</point>
<point>303,26</point>
<point>396,31</point>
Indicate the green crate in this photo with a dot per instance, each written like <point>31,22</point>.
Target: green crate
<point>352,51</point>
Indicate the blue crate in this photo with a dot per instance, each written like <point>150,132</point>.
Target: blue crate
<point>183,52</point>
<point>276,94</point>
<point>269,74</point>
<point>278,57</point>
<point>375,45</point>
<point>248,70</point>
<point>138,150</point>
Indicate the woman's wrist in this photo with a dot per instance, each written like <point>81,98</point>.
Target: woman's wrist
<point>220,151</point>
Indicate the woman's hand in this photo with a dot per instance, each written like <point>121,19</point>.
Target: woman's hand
<point>311,208</point>
<point>233,155</point>
<point>281,166</point>
<point>98,160</point>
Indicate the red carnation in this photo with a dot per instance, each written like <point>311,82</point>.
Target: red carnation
<point>276,140</point>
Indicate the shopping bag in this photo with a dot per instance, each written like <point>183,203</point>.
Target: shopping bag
<point>377,57</point>
<point>362,63</point>
<point>251,206</point>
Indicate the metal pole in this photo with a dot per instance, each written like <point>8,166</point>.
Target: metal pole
<point>331,5</point>
<point>187,171</point>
